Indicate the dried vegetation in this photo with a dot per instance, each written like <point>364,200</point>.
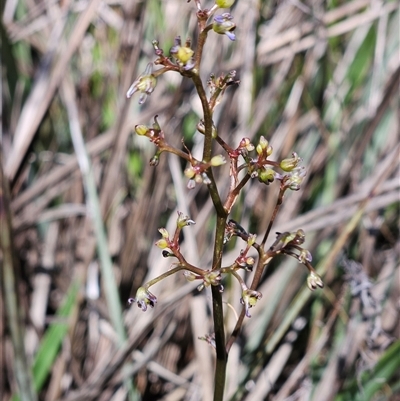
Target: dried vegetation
<point>321,78</point>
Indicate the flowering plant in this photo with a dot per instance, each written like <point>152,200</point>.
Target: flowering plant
<point>247,161</point>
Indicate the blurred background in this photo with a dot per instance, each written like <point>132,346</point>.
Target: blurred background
<point>80,205</point>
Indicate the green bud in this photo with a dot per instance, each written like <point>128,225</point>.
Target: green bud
<point>190,276</point>
<point>266,175</point>
<point>291,163</point>
<point>184,54</point>
<point>252,239</point>
<point>218,161</point>
<point>141,130</point>
<point>189,172</point>
<point>162,243</point>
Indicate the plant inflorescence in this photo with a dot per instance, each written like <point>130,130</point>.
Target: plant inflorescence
<point>247,161</point>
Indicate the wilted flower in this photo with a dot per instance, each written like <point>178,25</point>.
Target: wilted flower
<point>145,84</point>
<point>249,299</point>
<point>224,26</point>
<point>305,256</point>
<point>144,298</point>
<point>314,281</point>
<point>294,179</point>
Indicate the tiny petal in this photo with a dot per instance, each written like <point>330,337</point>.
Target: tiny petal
<point>205,179</point>
<point>191,184</point>
<point>163,232</point>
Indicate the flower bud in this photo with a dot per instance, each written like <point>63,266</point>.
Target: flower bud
<point>162,243</point>
<point>190,276</point>
<point>251,240</point>
<point>264,148</point>
<point>266,175</point>
<point>246,144</point>
<point>184,54</point>
<point>141,130</point>
<point>218,161</point>
<point>189,172</point>
<point>154,161</point>
<point>291,163</point>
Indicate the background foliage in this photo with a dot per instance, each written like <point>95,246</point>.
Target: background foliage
<point>320,78</point>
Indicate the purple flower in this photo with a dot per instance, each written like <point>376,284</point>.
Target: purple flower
<point>224,26</point>
<point>143,299</point>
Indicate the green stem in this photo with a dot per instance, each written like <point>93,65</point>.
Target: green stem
<point>222,356</point>
<point>218,314</point>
